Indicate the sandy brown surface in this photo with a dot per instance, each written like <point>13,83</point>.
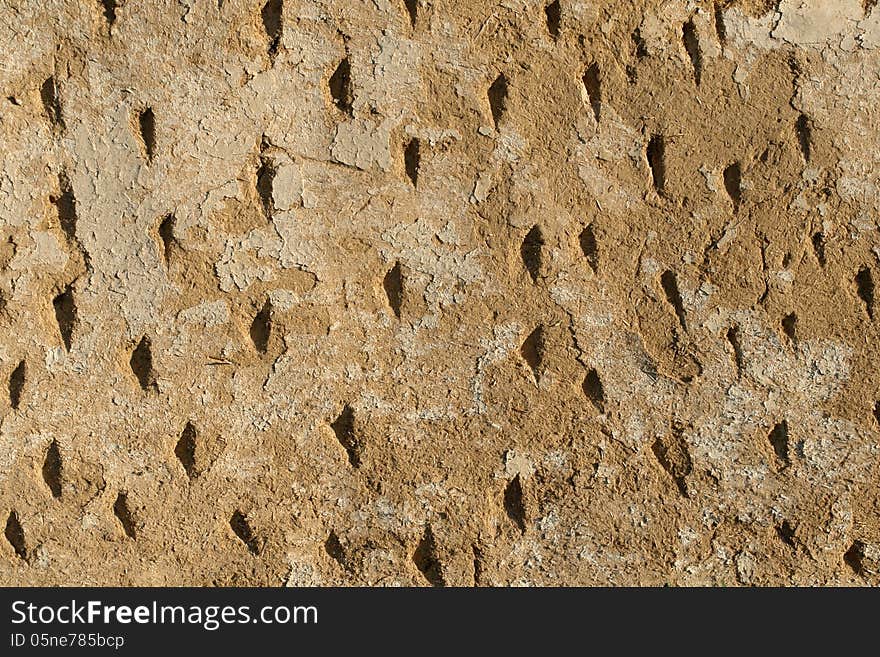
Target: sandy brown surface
<point>451,292</point>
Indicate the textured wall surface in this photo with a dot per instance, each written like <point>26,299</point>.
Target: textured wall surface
<point>403,292</point>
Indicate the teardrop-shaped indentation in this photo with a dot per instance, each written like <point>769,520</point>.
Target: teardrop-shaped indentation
<point>733,183</point>
<point>141,363</point>
<point>532,350</point>
<point>412,7</point>
<point>692,46</point>
<point>273,25</point>
<point>532,252</point>
<point>166,236</point>
<point>656,155</point>
<point>52,469</point>
<point>17,381</point>
<point>595,393</point>
<point>261,328</point>
<point>593,86</point>
<point>147,127</point>
<point>393,285</point>
<point>242,528</point>
<point>865,290</point>
<point>590,247</point>
<point>426,559</point>
<point>498,98</point>
<point>412,161</point>
<point>64,306</point>
<point>343,427</point>
<point>124,516</point>
<point>341,90</point>
<point>15,535</point>
<point>52,103</point>
<point>185,450</point>
<point>514,503</point>
<point>553,14</point>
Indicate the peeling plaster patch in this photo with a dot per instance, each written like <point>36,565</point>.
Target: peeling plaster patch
<point>363,144</point>
<point>302,572</point>
<point>9,449</point>
<point>743,30</point>
<point>285,299</point>
<point>516,463</point>
<point>510,147</point>
<point>504,341</point>
<point>870,38</point>
<point>303,246</point>
<point>210,313</point>
<point>396,79</point>
<point>46,251</point>
<point>817,22</point>
<point>240,265</point>
<point>806,23</point>
<point>287,187</point>
<point>482,187</point>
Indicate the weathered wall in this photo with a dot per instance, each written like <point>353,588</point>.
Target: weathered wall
<point>411,291</point>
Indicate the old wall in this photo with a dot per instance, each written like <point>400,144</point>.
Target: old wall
<point>439,291</point>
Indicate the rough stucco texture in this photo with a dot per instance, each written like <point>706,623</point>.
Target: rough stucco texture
<point>403,292</point>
